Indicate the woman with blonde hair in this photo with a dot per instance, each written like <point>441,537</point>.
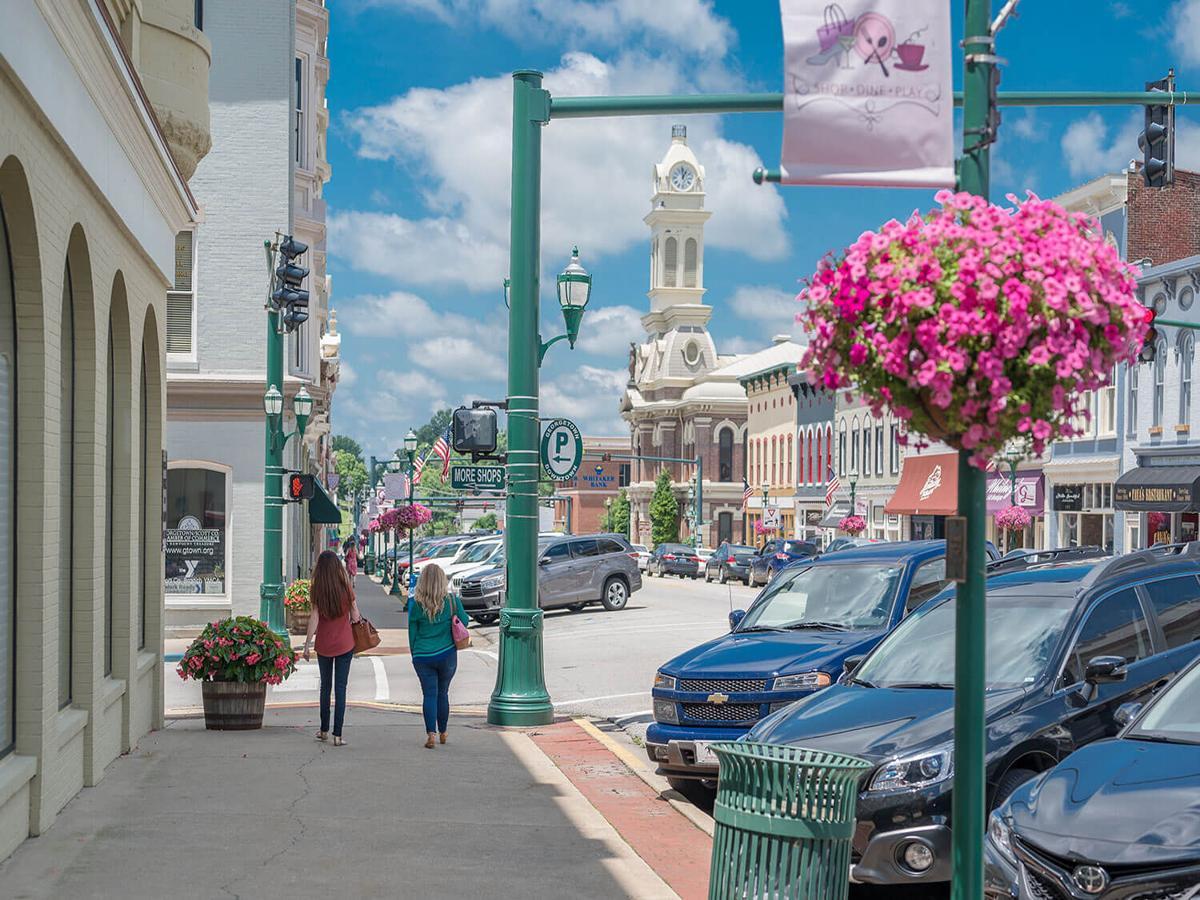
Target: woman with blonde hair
<point>434,655</point>
<point>333,609</point>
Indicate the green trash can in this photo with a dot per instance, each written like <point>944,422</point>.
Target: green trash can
<point>784,821</point>
<point>369,564</point>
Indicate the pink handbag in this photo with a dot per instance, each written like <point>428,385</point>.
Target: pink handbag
<point>458,631</point>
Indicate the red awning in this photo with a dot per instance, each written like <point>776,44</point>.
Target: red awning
<point>928,486</point>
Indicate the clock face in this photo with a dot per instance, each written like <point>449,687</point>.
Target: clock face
<point>682,177</point>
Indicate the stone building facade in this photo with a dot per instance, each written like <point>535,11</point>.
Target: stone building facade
<point>683,399</point>
<point>772,449</point>
<point>104,106</point>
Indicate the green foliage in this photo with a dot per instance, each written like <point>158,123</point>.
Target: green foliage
<point>664,511</point>
<point>487,522</point>
<point>618,516</point>
<point>351,472</point>
<point>240,649</point>
<point>428,433</point>
<point>349,444</point>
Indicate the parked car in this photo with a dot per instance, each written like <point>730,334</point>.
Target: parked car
<point>643,555</point>
<point>705,554</point>
<point>774,555</point>
<point>573,571</point>
<point>474,556</point>
<point>729,561</point>
<point>848,543</point>
<point>673,559</point>
<point>1067,644</point>
<point>1116,818</point>
<point>792,641</point>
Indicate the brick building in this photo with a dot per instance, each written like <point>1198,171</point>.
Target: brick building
<point>597,484</point>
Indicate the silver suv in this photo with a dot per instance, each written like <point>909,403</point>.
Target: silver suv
<point>576,570</point>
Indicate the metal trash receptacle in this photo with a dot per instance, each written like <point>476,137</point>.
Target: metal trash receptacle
<point>369,564</point>
<point>784,819</point>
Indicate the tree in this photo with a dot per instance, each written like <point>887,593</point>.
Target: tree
<point>486,522</point>
<point>349,444</point>
<point>428,433</point>
<point>618,516</point>
<point>664,511</point>
<point>352,474</point>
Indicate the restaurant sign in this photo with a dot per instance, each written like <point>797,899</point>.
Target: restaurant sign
<point>1136,495</point>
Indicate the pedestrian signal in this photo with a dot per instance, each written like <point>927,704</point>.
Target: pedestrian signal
<point>1150,344</point>
<point>299,487</point>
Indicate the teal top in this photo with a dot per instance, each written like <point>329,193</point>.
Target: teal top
<point>426,638</point>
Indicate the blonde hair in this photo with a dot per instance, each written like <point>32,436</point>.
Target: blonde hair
<point>431,590</point>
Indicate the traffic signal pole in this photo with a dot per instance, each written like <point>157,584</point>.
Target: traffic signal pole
<point>270,592</point>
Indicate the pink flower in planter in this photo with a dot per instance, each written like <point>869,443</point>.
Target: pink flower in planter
<point>253,659</point>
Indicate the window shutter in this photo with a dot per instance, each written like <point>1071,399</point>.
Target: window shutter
<point>179,301</point>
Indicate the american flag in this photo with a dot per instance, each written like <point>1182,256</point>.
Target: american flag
<point>441,449</point>
<point>831,487</point>
<point>747,493</point>
<point>418,468</point>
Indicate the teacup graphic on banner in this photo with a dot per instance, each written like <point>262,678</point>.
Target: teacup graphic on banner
<point>872,36</point>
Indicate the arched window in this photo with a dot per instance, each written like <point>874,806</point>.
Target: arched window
<point>654,263</point>
<point>143,475</point>
<point>842,449</point>
<point>854,448</point>
<point>866,449</point>
<point>791,456</point>
<point>1160,378</point>
<point>66,476</point>
<point>819,474</point>
<point>1187,348</point>
<point>725,454</point>
<point>800,450</point>
<point>110,481</point>
<point>670,261</point>
<point>8,490</point>
<point>828,454</point>
<point>689,263</point>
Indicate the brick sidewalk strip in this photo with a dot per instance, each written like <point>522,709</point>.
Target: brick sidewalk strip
<point>674,848</point>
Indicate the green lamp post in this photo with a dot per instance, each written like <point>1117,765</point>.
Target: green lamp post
<point>520,696</point>
<point>410,449</point>
<point>395,464</point>
<point>271,590</point>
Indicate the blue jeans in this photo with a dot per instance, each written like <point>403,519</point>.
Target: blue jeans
<point>434,673</point>
<point>335,671</point>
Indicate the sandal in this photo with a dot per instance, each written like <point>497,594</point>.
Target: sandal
<point>442,737</point>
<point>338,742</point>
<point>322,735</point>
<point>429,741</point>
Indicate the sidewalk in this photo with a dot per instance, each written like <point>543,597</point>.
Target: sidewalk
<point>274,814</point>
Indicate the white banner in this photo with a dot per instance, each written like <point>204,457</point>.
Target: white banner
<point>868,98</point>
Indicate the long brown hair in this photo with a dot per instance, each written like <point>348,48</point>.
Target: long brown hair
<point>331,589</point>
<point>431,590</point>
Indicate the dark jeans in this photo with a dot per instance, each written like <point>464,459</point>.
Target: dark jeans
<point>335,670</point>
<point>434,673</point>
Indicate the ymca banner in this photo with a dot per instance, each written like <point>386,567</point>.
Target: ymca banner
<point>868,98</point>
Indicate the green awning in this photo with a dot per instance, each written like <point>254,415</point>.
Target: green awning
<point>321,508</point>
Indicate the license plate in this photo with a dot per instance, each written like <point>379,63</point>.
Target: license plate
<point>704,753</point>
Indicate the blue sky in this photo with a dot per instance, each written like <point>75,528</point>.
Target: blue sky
<point>419,142</point>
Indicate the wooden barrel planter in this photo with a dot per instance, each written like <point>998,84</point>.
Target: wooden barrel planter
<point>233,706</point>
<point>298,621</point>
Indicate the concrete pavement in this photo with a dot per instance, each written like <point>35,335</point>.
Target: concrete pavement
<point>274,814</point>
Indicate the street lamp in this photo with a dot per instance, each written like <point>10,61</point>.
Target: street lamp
<point>302,405</point>
<point>766,492</point>
<point>410,449</point>
<point>395,465</point>
<point>574,291</point>
<point>853,486</point>
<point>693,524</point>
<point>273,401</point>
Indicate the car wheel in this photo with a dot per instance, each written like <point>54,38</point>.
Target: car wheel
<point>707,576</point>
<point>1012,780</point>
<point>616,594</point>
<point>576,607</point>
<point>698,793</point>
<point>485,618</point>
<point>723,576</point>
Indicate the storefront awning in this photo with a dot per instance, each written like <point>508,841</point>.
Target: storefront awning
<point>1030,492</point>
<point>1158,489</point>
<point>928,486</point>
<point>321,508</point>
<point>835,514</point>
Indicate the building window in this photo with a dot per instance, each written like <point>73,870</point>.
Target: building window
<point>198,14</point>
<point>670,261</point>
<point>110,482</point>
<point>879,448</point>
<point>66,506</point>
<point>1106,412</point>
<point>689,263</point>
<point>854,450</point>
<point>725,455</point>
<point>866,450</point>
<point>1131,410</point>
<point>8,495</point>
<point>894,455</point>
<point>181,300</point>
<point>144,475</point>
<point>828,455</point>
<point>724,527</point>
<point>1187,349</point>
<point>1160,378</point>
<point>842,449</point>
<point>819,468</point>
<point>623,475</point>
<point>299,135</point>
<point>300,349</point>
<point>196,534</point>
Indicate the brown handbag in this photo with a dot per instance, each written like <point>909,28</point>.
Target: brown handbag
<point>366,636</point>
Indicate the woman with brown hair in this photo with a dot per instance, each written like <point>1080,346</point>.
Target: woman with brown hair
<point>334,608</point>
<point>431,616</point>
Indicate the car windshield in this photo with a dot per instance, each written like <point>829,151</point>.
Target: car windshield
<point>445,550</point>
<point>738,548</point>
<point>1022,633</point>
<point>478,552</point>
<point>857,596</point>
<point>678,549</point>
<point>1175,715</point>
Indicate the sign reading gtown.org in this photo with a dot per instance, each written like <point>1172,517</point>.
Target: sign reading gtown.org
<point>562,449</point>
<point>478,478</point>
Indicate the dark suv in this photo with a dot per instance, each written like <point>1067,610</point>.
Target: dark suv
<point>1067,643</point>
<point>729,561</point>
<point>775,555</point>
<point>674,559</point>
<point>573,571</point>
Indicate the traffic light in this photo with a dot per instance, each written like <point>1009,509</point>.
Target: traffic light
<point>1150,344</point>
<point>1157,141</point>
<point>288,296</point>
<point>299,487</point>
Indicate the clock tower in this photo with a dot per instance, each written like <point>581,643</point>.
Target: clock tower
<point>676,219</point>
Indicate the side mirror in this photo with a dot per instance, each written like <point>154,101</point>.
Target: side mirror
<point>1126,713</point>
<point>852,663</point>
<point>545,560</point>
<point>1105,670</point>
<point>735,618</point>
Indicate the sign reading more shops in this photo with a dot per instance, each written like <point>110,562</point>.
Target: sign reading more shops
<point>477,478</point>
<point>562,450</point>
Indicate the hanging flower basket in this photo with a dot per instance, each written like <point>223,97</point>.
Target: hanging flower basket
<point>412,516</point>
<point>1013,518</point>
<point>853,525</point>
<point>975,324</point>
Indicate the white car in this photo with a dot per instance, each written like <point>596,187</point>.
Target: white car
<point>643,555</point>
<point>704,553</point>
<point>446,554</point>
<point>474,556</point>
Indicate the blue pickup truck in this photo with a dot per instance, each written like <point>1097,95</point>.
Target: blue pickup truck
<point>794,640</point>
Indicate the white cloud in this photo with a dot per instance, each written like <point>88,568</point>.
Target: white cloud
<point>1185,29</point>
<point>773,308</point>
<point>741,345</point>
<point>401,314</point>
<point>590,396</point>
<point>608,330</point>
<point>595,176</point>
<point>1024,126</point>
<point>347,376</point>
<point>462,357</point>
<point>1091,150</point>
